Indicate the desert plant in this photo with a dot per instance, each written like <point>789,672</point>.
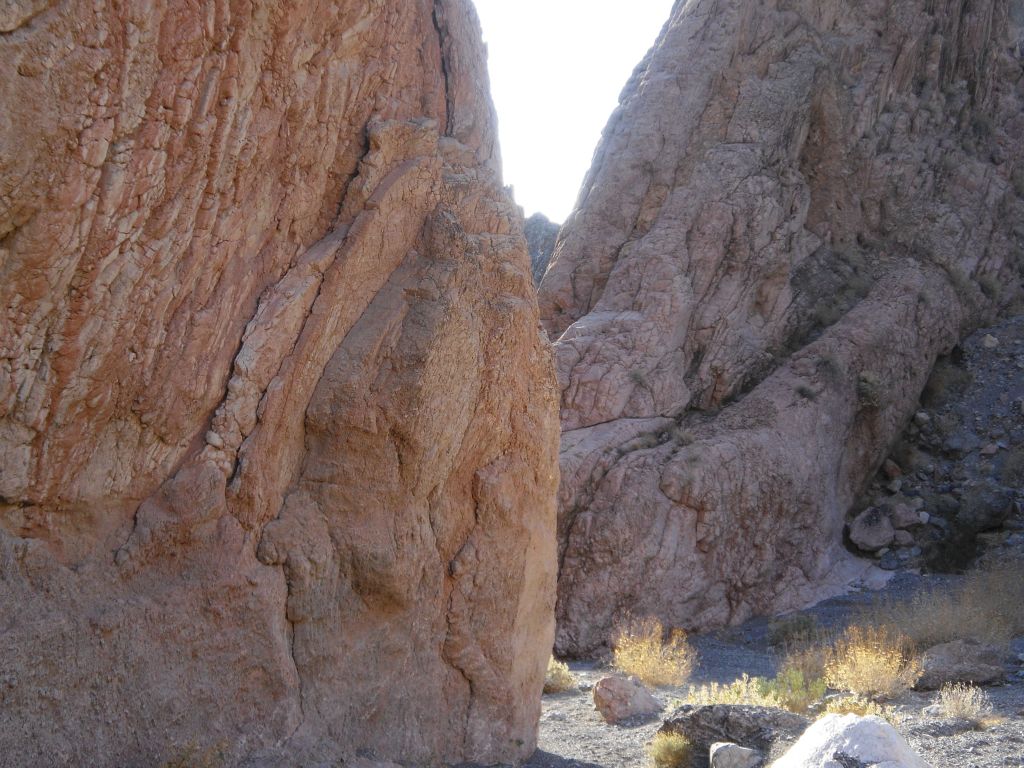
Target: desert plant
<point>869,390</point>
<point>988,606</point>
<point>640,649</point>
<point>872,661</point>
<point>558,678</point>
<point>746,690</point>
<point>965,702</point>
<point>793,690</point>
<point>797,628</point>
<point>857,705</point>
<point>669,750</point>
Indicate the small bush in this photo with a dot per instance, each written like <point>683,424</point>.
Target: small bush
<point>872,662</point>
<point>750,691</point>
<point>793,629</point>
<point>965,702</point>
<point>869,391</point>
<point>669,750</point>
<point>641,650</point>
<point>558,678</point>
<point>857,705</point>
<point>793,690</point>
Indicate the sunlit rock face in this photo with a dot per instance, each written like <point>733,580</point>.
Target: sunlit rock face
<point>796,208</point>
<point>278,431</point>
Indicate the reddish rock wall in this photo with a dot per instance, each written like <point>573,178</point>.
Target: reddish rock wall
<point>277,427</point>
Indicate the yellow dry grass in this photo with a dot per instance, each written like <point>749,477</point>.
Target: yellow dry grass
<point>965,702</point>
<point>747,690</point>
<point>987,607</point>
<point>669,750</point>
<point>640,649</point>
<point>558,678</point>
<point>872,661</point>
<point>857,705</point>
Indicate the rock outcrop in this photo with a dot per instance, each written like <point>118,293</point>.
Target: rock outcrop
<point>796,208</point>
<point>541,235</point>
<point>278,431</point>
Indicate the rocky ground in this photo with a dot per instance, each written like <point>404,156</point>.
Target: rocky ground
<point>957,463</point>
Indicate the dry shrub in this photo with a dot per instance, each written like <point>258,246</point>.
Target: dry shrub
<point>669,750</point>
<point>965,702</point>
<point>793,690</point>
<point>987,607</point>
<point>558,678</point>
<point>747,690</point>
<point>873,662</point>
<point>857,705</point>
<point>795,629</point>
<point>641,650</point>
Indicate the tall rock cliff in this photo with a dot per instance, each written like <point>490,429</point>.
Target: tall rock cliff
<point>278,430</point>
<point>796,208</point>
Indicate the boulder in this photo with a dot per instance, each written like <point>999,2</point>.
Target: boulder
<point>740,328</point>
<point>620,698</point>
<point>850,741</point>
<point>983,507</point>
<point>961,661</point>
<point>872,530</point>
<point>904,516</point>
<point>762,728</point>
<point>278,434</point>
<point>725,755</point>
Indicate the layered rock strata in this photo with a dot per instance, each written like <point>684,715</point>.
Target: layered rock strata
<point>278,432</point>
<point>796,208</point>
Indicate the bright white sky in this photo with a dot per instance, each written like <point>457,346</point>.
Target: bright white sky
<point>557,68</point>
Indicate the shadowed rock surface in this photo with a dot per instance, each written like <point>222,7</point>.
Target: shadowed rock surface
<point>278,434</point>
<point>541,235</point>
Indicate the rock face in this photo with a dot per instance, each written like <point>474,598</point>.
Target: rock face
<point>796,208</point>
<point>278,432</point>
<point>541,234</point>
<point>849,741</point>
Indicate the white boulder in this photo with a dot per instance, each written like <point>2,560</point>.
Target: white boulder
<point>838,741</point>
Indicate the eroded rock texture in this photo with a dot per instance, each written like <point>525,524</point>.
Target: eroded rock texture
<point>541,235</point>
<point>795,209</point>
<point>278,433</point>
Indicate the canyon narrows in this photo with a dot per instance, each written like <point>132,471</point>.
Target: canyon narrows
<point>278,429</point>
<point>796,208</point>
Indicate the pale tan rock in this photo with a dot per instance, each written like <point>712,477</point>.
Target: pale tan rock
<point>961,661</point>
<point>787,219</point>
<point>620,698</point>
<point>278,440</point>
